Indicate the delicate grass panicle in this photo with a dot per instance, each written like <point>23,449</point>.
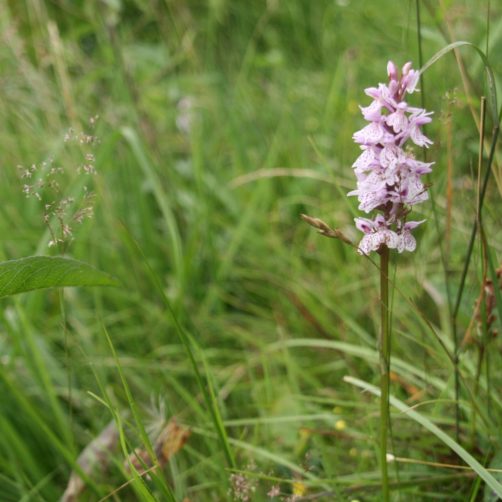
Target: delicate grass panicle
<point>51,183</point>
<point>242,487</point>
<point>388,175</point>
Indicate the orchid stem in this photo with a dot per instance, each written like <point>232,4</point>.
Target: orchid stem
<point>384,350</point>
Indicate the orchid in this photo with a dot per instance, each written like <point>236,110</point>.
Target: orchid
<point>389,178</point>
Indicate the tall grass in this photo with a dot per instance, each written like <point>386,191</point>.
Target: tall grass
<point>220,123</point>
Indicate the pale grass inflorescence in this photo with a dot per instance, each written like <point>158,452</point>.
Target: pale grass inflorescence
<point>47,182</point>
<point>388,174</point>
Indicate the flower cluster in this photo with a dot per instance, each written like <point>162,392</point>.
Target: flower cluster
<point>388,176</point>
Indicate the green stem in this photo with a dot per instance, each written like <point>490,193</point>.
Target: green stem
<point>384,350</point>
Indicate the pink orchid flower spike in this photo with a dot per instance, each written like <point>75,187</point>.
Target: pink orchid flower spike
<point>389,178</point>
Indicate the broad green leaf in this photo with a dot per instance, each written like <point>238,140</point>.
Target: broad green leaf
<point>38,272</point>
<point>481,471</point>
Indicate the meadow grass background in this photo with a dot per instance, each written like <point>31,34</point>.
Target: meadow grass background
<point>220,122</point>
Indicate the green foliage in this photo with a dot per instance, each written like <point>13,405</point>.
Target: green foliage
<point>220,123</point>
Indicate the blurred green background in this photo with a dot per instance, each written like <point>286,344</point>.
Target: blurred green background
<point>220,122</point>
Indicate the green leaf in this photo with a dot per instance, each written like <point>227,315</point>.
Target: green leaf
<point>38,272</point>
<point>431,427</point>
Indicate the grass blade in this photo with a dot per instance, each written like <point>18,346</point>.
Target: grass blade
<point>190,346</point>
<point>434,429</point>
